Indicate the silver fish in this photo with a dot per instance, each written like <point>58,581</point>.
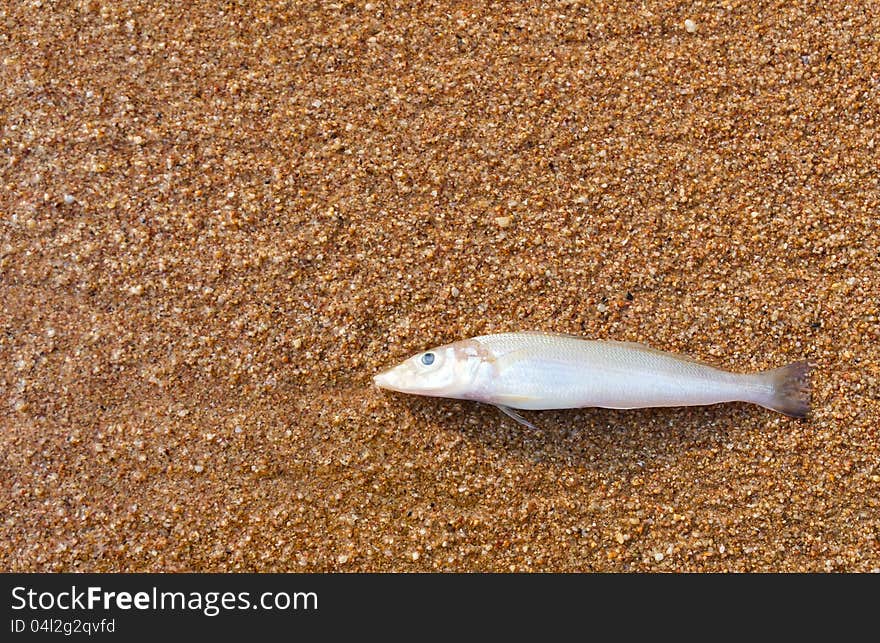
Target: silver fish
<point>539,371</point>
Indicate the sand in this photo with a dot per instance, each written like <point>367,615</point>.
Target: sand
<point>219,220</point>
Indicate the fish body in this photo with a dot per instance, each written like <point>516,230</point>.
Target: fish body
<point>539,371</point>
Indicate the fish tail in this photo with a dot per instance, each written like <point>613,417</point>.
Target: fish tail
<point>789,389</point>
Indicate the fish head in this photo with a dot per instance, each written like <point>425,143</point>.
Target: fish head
<point>445,371</point>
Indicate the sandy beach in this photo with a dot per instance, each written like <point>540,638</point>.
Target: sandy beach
<point>219,220</point>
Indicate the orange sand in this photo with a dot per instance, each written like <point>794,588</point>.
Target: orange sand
<point>219,220</point>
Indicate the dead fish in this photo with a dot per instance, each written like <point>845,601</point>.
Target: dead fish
<point>541,371</point>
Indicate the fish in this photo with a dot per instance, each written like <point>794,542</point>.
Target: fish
<point>536,371</point>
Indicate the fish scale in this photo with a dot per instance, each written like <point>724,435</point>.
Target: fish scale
<point>556,371</point>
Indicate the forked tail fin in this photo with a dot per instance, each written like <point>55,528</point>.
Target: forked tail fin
<point>789,389</point>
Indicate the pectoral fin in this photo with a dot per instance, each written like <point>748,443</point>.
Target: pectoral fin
<point>516,416</point>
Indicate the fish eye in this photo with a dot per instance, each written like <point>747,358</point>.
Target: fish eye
<point>428,359</point>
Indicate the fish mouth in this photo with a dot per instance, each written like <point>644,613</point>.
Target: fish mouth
<point>393,380</point>
<point>384,380</point>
